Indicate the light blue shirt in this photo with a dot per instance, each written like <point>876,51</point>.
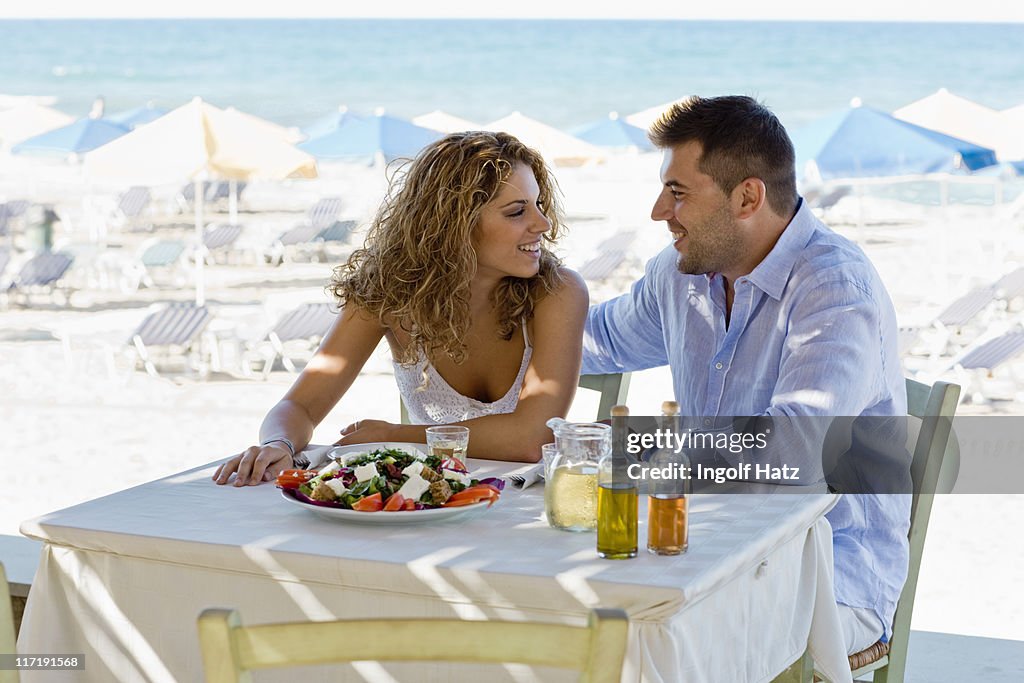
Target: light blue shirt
<point>812,333</point>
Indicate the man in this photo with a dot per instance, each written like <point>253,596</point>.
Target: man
<point>761,310</point>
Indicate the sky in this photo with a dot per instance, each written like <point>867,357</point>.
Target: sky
<point>998,11</point>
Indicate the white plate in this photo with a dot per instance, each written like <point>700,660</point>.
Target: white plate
<point>368,447</point>
<point>399,517</point>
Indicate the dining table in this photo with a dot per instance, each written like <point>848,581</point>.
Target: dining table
<point>122,579</point>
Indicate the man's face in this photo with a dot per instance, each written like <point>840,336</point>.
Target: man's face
<point>697,211</point>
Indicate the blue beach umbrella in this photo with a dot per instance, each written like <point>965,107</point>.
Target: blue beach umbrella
<point>329,123</point>
<point>369,138</point>
<point>613,132</point>
<point>862,142</point>
<point>130,118</point>
<point>79,137</point>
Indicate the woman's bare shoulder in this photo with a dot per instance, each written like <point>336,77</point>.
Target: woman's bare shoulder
<point>571,293</point>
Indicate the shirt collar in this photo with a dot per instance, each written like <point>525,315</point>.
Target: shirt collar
<point>772,274</point>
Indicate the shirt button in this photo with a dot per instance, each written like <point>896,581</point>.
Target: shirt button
<point>718,366</point>
<point>707,421</point>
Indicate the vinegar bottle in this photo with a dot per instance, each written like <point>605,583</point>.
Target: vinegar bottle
<point>667,513</point>
<point>616,495</point>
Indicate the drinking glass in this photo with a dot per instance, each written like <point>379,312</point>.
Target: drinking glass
<point>448,442</point>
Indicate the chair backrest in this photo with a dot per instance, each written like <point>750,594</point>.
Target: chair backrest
<point>307,321</point>
<point>992,353</point>
<point>324,212</point>
<point>134,201</point>
<point>43,269</point>
<point>613,389</point>
<point>7,639</point>
<point>221,236</point>
<point>230,649</point>
<point>178,323</point>
<point>162,253</point>
<point>933,470</point>
<point>338,231</point>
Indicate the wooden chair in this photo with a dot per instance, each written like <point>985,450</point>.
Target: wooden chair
<point>230,650</point>
<point>613,389</point>
<point>7,637</point>
<point>936,461</point>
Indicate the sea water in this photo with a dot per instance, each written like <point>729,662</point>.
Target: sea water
<point>566,73</point>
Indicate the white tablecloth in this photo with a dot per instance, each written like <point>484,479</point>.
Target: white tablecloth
<point>123,578</point>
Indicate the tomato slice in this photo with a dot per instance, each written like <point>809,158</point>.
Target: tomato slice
<point>293,479</point>
<point>410,504</point>
<point>395,502</point>
<point>369,504</point>
<point>478,492</point>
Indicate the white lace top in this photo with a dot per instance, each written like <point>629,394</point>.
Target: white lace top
<point>438,403</point>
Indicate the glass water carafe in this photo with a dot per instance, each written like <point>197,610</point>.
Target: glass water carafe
<point>570,487</point>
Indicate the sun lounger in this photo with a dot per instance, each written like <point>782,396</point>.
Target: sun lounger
<point>958,324</point>
<point>301,329</point>
<point>5,258</point>
<point>42,274</point>
<point>160,260</point>
<point>994,352</point>
<point>324,213</point>
<point>219,240</point>
<point>612,255</point>
<point>177,328</point>
<point>133,209</point>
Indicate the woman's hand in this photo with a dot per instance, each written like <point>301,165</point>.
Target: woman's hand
<point>367,431</point>
<point>255,464</point>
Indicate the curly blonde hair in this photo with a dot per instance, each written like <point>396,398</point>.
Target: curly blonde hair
<point>415,267</point>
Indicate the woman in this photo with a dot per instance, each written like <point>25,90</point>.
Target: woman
<point>484,323</point>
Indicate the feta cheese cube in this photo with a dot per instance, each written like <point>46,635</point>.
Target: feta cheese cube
<point>332,467</point>
<point>457,476</point>
<point>413,470</point>
<point>336,486</point>
<point>414,487</point>
<point>365,472</point>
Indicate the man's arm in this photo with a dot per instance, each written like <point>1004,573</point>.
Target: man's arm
<point>626,333</point>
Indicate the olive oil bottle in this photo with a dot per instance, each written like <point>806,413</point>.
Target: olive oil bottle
<point>616,496</point>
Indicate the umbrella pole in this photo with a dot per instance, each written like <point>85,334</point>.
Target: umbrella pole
<point>200,255</point>
<point>233,201</point>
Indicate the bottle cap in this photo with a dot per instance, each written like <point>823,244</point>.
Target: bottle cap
<point>620,411</point>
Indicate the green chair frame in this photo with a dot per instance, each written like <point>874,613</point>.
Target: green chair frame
<point>613,389</point>
<point>230,650</point>
<point>935,464</point>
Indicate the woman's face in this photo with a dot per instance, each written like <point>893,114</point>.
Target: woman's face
<point>507,238</point>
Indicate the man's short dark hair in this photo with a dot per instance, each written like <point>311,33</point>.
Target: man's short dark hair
<point>740,138</point>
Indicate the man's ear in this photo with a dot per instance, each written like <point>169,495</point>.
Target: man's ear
<point>748,197</point>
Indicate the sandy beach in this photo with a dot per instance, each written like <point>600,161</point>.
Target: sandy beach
<point>80,423</point>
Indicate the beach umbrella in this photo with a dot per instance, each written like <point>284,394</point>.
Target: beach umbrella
<point>371,138</point>
<point>445,122</point>
<point>267,128</point>
<point>329,123</point>
<point>12,101</point>
<point>645,117</point>
<point>132,118</point>
<point>1012,120</point>
<point>862,142</point>
<point>82,136</point>
<point>554,145</point>
<point>28,120</point>
<point>199,141</point>
<point>956,116</point>
<point>613,131</point>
